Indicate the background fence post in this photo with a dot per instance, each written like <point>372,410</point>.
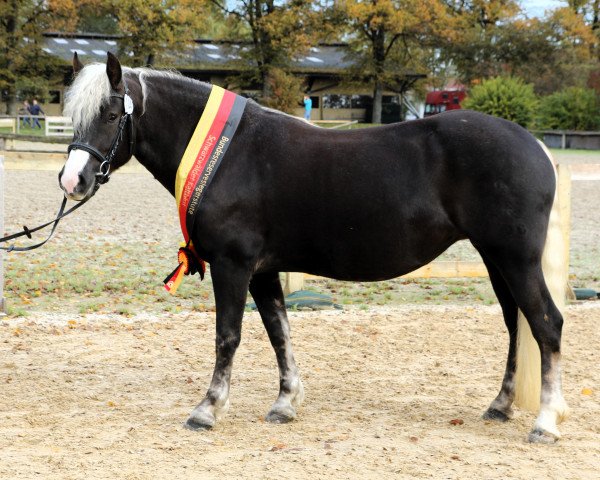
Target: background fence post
<point>564,205</point>
<point>294,281</point>
<point>2,302</point>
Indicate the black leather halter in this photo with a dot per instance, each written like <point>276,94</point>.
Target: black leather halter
<point>103,174</point>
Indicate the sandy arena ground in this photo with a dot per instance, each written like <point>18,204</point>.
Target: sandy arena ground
<point>391,392</point>
<point>100,397</point>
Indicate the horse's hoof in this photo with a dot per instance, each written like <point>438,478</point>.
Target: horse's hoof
<point>496,415</point>
<point>281,416</point>
<point>199,421</point>
<point>542,436</point>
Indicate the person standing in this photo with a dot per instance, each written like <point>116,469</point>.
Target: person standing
<point>36,110</point>
<point>25,112</point>
<point>307,107</point>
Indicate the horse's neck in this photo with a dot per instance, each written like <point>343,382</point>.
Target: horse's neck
<point>172,109</point>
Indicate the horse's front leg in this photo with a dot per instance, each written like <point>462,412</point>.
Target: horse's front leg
<point>230,284</point>
<point>266,291</point>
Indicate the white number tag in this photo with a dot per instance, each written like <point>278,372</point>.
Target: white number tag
<point>128,104</point>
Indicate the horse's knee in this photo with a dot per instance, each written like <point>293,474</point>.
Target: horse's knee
<point>228,344</point>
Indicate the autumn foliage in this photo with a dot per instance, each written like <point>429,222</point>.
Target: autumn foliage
<point>467,41</point>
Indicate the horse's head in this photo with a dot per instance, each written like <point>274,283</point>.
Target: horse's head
<point>101,106</point>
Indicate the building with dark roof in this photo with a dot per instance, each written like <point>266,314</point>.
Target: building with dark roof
<point>323,68</point>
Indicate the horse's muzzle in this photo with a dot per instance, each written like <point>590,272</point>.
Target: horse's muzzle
<point>78,189</point>
<point>77,178</point>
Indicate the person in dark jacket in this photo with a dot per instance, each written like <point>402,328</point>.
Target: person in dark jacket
<point>35,111</point>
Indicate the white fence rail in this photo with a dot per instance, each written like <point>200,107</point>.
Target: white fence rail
<point>59,127</point>
<point>9,122</point>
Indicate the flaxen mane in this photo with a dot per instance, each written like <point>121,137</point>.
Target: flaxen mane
<point>91,90</point>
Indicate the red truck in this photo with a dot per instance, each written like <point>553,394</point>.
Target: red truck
<point>439,101</point>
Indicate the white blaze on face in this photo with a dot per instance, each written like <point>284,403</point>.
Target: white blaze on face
<point>74,166</point>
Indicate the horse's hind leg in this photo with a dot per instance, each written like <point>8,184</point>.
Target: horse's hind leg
<point>501,408</point>
<point>230,283</point>
<point>266,291</point>
<point>545,321</point>
<point>528,287</point>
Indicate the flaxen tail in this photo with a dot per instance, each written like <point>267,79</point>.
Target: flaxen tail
<point>528,377</point>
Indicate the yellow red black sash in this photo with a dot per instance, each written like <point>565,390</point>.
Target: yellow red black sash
<point>200,161</point>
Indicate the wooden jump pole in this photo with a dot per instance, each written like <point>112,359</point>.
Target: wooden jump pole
<point>294,281</point>
<point>438,269</point>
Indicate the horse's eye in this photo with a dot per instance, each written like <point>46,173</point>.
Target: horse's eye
<point>112,117</point>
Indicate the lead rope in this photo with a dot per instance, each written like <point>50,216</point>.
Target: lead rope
<point>28,231</point>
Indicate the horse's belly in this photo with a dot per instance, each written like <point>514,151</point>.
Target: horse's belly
<point>360,220</point>
<point>377,255</point>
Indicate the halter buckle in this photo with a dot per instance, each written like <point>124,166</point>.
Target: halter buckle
<point>103,173</point>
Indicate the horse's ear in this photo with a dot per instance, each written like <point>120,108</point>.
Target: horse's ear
<point>113,70</point>
<point>77,65</point>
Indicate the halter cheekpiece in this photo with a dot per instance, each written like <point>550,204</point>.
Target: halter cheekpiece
<point>103,174</point>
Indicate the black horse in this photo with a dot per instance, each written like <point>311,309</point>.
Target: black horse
<point>364,205</point>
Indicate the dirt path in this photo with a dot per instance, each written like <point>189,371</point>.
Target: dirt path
<point>86,397</point>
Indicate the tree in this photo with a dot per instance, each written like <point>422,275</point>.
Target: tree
<point>24,66</point>
<point>570,58</point>
<point>285,90</point>
<point>277,32</point>
<point>155,31</point>
<point>388,39</point>
<point>496,39</point>
<point>482,34</point>
<point>588,10</point>
<point>96,16</point>
<point>150,28</point>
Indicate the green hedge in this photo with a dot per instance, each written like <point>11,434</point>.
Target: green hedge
<point>504,97</point>
<point>573,108</point>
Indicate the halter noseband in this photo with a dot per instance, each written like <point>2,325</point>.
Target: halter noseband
<point>103,174</point>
